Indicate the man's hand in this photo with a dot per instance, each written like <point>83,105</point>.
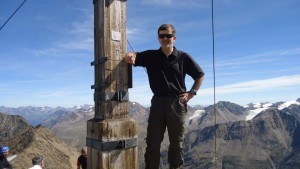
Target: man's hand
<point>185,97</point>
<point>130,58</point>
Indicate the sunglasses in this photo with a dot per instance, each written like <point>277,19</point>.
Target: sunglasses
<point>161,36</point>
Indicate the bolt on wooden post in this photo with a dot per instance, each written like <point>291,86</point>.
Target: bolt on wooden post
<point>111,135</point>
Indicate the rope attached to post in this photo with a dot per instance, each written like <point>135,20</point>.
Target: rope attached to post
<point>134,52</point>
<point>13,14</point>
<point>214,77</point>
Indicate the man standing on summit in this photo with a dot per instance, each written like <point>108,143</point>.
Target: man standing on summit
<point>167,68</point>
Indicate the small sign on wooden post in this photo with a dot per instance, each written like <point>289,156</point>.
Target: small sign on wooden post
<point>111,135</point>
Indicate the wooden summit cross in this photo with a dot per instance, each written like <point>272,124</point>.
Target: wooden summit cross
<point>111,135</point>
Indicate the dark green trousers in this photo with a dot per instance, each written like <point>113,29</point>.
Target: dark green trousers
<point>170,113</point>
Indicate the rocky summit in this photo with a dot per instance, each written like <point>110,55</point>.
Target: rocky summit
<point>26,141</point>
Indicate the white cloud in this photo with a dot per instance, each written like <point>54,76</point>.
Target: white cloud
<point>192,3</point>
<point>178,3</point>
<point>83,44</point>
<point>156,2</point>
<point>54,94</point>
<point>256,85</point>
<point>290,52</point>
<point>83,27</point>
<point>81,39</point>
<point>132,34</point>
<point>141,94</point>
<point>259,58</point>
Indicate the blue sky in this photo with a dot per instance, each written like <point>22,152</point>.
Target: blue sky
<point>47,47</point>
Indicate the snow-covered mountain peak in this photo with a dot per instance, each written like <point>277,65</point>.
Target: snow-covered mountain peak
<point>287,104</point>
<point>258,107</point>
<point>197,114</point>
<point>262,105</point>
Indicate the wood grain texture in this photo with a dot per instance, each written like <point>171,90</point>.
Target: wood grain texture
<point>111,122</point>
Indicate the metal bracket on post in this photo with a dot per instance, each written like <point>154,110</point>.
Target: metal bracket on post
<point>111,145</point>
<point>111,96</point>
<point>94,1</point>
<point>100,116</point>
<point>99,61</point>
<point>99,86</point>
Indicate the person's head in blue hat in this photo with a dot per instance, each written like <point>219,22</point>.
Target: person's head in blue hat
<point>4,151</point>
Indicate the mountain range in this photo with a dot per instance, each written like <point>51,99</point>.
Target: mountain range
<point>268,140</point>
<point>35,115</point>
<point>262,135</point>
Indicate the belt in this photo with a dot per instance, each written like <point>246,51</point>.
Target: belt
<point>166,95</point>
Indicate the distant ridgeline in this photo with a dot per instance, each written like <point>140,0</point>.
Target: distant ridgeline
<point>262,135</point>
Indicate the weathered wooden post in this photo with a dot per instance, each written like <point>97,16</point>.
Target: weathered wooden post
<point>111,135</point>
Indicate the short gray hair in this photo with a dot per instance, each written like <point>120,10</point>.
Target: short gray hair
<point>37,160</point>
<point>84,149</point>
<point>167,27</point>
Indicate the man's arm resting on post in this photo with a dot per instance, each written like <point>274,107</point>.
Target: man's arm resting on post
<point>185,97</point>
<point>130,58</point>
